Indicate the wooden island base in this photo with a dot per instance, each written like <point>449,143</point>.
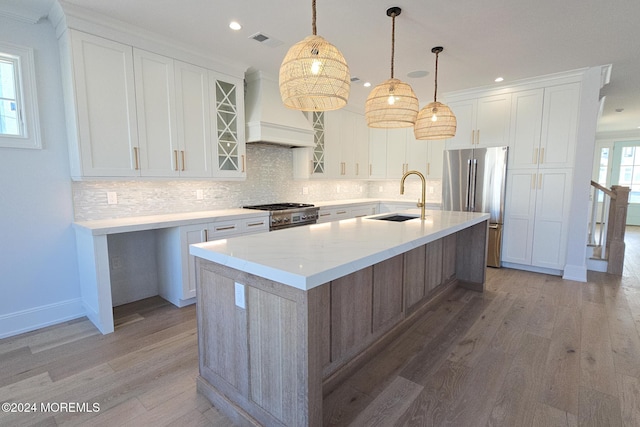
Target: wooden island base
<point>268,352</point>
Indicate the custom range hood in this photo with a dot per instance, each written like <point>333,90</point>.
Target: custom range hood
<point>268,120</point>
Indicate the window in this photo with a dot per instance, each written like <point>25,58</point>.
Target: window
<point>19,123</point>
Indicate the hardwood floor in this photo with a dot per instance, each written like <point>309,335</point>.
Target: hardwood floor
<point>533,350</point>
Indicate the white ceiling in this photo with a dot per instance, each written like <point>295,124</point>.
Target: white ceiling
<point>482,40</point>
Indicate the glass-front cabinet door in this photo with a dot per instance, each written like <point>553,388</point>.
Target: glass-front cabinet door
<point>227,102</point>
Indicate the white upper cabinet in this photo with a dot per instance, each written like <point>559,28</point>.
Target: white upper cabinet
<point>227,110</point>
<point>156,110</point>
<point>397,153</point>
<point>342,147</point>
<point>481,122</point>
<point>193,154</point>
<point>559,126</point>
<point>543,127</point>
<point>394,152</point>
<point>101,108</point>
<point>136,113</point>
<point>526,128</point>
<point>377,153</point>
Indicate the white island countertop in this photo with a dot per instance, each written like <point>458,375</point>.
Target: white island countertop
<point>309,256</point>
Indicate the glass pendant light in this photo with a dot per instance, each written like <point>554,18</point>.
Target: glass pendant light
<point>314,75</point>
<point>392,104</point>
<point>436,120</point>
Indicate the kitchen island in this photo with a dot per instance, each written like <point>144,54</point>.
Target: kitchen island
<point>284,317</point>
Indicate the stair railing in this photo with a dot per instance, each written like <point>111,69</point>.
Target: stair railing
<point>611,214</point>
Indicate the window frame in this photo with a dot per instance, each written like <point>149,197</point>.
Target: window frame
<point>26,97</point>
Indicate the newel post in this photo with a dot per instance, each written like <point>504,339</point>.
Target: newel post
<point>617,224</point>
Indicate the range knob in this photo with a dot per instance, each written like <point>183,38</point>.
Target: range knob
<point>273,221</point>
<point>286,219</point>
<point>304,217</point>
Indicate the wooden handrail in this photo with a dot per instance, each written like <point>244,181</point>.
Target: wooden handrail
<point>605,189</point>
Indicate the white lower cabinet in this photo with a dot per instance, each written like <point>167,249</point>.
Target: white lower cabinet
<point>536,222</point>
<point>330,213</point>
<point>177,268</point>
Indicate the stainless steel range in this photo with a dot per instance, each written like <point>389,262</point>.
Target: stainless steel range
<point>286,215</point>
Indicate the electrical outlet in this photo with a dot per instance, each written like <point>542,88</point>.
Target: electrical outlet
<point>199,194</point>
<point>239,291</point>
<point>116,263</point>
<point>305,190</point>
<point>112,198</point>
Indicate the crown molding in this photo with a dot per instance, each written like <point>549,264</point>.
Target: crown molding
<point>20,14</point>
<point>64,15</point>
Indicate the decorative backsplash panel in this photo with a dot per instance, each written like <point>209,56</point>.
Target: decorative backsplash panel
<point>269,179</point>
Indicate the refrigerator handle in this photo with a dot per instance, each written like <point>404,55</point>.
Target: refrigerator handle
<point>466,194</point>
<point>473,181</point>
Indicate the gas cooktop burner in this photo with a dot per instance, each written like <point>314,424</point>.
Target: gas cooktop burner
<point>279,206</point>
<point>285,215</point>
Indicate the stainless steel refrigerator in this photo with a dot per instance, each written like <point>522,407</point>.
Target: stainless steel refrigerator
<point>474,180</point>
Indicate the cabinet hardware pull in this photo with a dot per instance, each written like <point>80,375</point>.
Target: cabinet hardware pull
<point>325,214</point>
<point>533,181</point>
<point>341,212</point>
<point>370,169</point>
<point>542,155</point>
<point>183,164</point>
<point>473,137</point>
<point>357,169</point>
<point>310,167</point>
<point>242,156</point>
<point>535,155</point>
<point>540,182</point>
<point>135,155</point>
<point>175,157</point>
<point>206,235</point>
<point>253,224</point>
<point>428,168</point>
<point>230,227</point>
<point>478,137</point>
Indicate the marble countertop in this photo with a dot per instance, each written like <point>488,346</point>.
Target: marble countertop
<point>309,256</point>
<point>151,222</point>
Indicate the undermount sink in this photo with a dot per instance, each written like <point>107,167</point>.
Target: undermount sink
<point>397,217</point>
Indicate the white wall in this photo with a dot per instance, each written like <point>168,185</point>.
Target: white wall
<point>39,282</point>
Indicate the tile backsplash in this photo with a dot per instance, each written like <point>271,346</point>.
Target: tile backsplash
<point>269,179</point>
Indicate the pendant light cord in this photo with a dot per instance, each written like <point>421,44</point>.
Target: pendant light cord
<point>435,92</point>
<point>313,19</point>
<point>393,39</point>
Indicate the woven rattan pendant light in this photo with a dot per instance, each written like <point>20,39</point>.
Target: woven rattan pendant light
<point>391,104</point>
<point>314,75</point>
<point>436,120</point>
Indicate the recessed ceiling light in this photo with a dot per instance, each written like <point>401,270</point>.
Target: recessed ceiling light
<point>499,79</point>
<point>235,26</point>
<point>367,84</point>
<point>417,74</point>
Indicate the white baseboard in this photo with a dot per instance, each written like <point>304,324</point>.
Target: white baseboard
<point>600,265</point>
<point>39,317</point>
<point>577,273</point>
<point>532,268</point>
